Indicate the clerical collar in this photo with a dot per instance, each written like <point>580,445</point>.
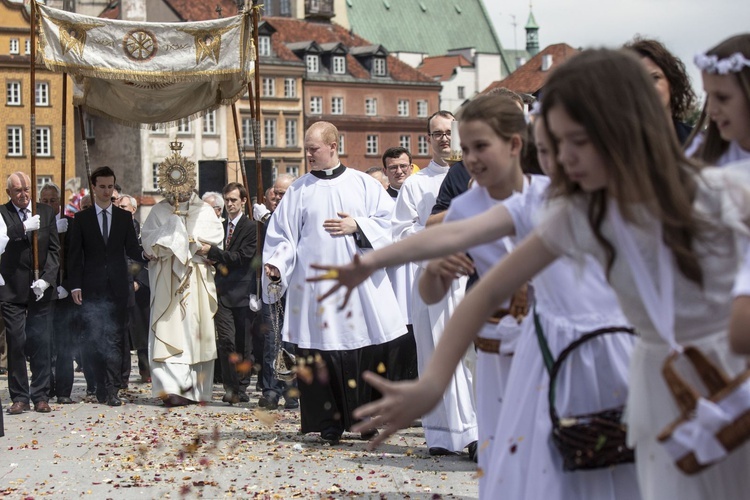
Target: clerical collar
<point>392,192</point>
<point>329,173</point>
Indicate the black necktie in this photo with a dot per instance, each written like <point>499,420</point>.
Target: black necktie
<point>105,226</point>
<point>23,215</point>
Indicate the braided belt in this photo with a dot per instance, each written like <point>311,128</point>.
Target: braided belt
<point>491,346</point>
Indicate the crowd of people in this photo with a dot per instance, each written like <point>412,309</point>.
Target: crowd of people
<point>601,229</point>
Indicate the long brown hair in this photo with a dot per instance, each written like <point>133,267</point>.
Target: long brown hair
<point>609,93</point>
<point>713,146</point>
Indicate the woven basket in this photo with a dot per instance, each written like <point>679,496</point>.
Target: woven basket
<point>594,440</point>
<point>720,387</point>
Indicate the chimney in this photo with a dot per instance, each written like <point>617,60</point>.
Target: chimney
<point>546,62</point>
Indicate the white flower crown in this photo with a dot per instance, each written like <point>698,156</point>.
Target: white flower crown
<point>713,65</point>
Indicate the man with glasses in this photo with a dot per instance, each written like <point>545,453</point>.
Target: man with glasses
<point>397,167</point>
<point>216,201</point>
<point>451,426</point>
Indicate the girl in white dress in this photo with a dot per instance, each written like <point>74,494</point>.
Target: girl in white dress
<point>516,456</point>
<point>621,177</point>
<point>726,116</point>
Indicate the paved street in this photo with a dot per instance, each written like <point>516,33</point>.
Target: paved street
<point>142,450</point>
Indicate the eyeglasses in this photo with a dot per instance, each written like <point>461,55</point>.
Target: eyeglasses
<point>439,135</point>
<point>403,167</point>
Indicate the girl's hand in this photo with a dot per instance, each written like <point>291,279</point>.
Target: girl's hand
<point>401,403</point>
<point>350,276</point>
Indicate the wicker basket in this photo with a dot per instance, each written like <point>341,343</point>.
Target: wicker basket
<point>720,387</point>
<point>590,441</point>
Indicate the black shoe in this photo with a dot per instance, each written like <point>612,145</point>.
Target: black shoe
<point>268,403</point>
<point>473,455</point>
<point>62,400</point>
<point>437,451</point>
<point>3,371</point>
<point>291,403</point>
<point>114,401</point>
<point>244,398</point>
<point>331,435</point>
<point>366,436</point>
<point>232,399</point>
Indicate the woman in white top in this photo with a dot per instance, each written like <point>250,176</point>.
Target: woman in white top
<point>624,193</point>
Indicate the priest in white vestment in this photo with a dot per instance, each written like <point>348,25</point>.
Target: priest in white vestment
<point>329,215</point>
<point>182,338</point>
<point>451,425</point>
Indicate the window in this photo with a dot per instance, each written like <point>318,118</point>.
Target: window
<point>155,176</point>
<point>461,92</point>
<point>371,147</point>
<point>403,107</point>
<point>291,133</point>
<point>292,170</point>
<point>422,109</point>
<point>378,66</point>
<point>313,63</point>
<point>286,8</point>
<point>269,132</point>
<point>15,141</point>
<point>264,45</point>
<point>422,149</point>
<point>43,141</point>
<point>290,87</point>
<point>159,128</point>
<point>371,106</point>
<point>247,132</point>
<point>339,65</point>
<point>405,141</point>
<point>41,180</point>
<point>28,46</point>
<point>209,123</point>
<point>337,105</point>
<point>269,87</point>
<point>42,94</point>
<point>342,150</point>
<point>88,125</point>
<point>184,127</point>
<point>316,105</point>
<point>14,46</point>
<point>13,94</point>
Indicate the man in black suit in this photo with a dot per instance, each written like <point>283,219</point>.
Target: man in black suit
<point>28,315</point>
<point>235,278</point>
<point>98,242</point>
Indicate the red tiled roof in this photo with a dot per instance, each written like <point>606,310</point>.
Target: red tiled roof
<point>296,30</point>
<point>191,10</point>
<point>529,78</point>
<point>441,67</point>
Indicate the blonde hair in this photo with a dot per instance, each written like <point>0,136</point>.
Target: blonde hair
<point>499,112</point>
<point>610,94</point>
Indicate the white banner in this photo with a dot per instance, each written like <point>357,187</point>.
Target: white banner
<point>147,73</point>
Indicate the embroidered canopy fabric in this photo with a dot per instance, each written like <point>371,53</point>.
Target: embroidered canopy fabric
<point>147,73</point>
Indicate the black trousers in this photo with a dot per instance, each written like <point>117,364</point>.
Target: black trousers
<point>105,320</point>
<point>28,334</point>
<point>65,332</point>
<point>234,344</point>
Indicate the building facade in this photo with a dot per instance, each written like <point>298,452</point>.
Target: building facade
<point>15,121</point>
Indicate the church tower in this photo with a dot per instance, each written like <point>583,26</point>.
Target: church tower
<point>532,35</point>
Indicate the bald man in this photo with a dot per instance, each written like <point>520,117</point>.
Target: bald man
<point>26,301</point>
<point>350,213</point>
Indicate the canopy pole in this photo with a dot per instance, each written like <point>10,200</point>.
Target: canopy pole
<point>85,146</point>
<point>241,155</point>
<point>32,131</point>
<point>63,162</point>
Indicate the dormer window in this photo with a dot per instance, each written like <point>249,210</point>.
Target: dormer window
<point>378,66</point>
<point>339,65</point>
<point>313,63</point>
<point>264,45</point>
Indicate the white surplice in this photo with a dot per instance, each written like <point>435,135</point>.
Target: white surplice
<point>182,338</point>
<point>295,239</point>
<point>452,424</point>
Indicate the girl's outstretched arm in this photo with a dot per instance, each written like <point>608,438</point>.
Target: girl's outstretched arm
<point>402,402</point>
<point>435,241</point>
<point>739,325</point>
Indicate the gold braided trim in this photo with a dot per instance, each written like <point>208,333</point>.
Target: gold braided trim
<point>487,345</point>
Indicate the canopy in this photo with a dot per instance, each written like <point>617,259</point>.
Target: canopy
<point>138,73</point>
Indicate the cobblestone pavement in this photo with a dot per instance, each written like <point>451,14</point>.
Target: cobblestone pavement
<point>143,450</point>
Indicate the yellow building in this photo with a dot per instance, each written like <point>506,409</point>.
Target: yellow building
<point>15,122</point>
